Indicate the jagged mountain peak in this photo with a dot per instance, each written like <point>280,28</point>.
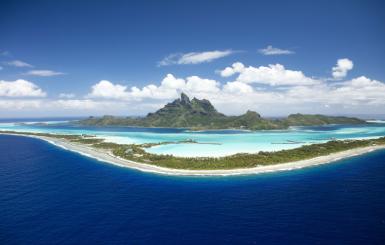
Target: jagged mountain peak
<point>184,98</point>
<point>184,105</point>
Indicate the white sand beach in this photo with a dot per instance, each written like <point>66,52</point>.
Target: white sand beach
<point>105,156</point>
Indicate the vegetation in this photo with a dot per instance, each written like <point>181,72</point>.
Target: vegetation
<point>87,141</point>
<point>200,114</point>
<point>137,153</point>
<point>242,160</point>
<point>309,120</point>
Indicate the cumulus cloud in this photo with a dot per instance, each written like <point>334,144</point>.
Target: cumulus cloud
<point>273,75</point>
<point>107,90</point>
<point>360,90</point>
<point>237,88</point>
<point>194,57</point>
<point>152,91</point>
<point>298,92</point>
<point>43,73</point>
<point>270,50</point>
<point>341,69</point>
<point>168,88</point>
<point>172,82</point>
<point>235,68</point>
<point>171,87</point>
<point>195,84</point>
<point>18,63</point>
<point>20,88</point>
<point>359,95</point>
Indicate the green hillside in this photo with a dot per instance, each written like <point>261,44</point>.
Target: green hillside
<point>201,114</point>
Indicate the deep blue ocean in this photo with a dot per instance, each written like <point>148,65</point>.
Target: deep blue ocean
<point>52,196</point>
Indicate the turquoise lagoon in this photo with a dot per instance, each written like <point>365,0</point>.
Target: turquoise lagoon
<point>211,143</point>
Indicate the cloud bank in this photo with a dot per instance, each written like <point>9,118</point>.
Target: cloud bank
<point>273,90</point>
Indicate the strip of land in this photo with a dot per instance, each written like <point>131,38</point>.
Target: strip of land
<point>109,153</point>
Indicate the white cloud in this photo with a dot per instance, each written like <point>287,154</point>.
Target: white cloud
<point>235,68</point>
<point>55,106</point>
<point>43,73</point>
<point>341,69</point>
<point>72,107</point>
<point>18,63</point>
<point>304,95</point>
<point>294,92</point>
<point>171,87</point>
<point>359,95</point>
<point>300,93</point>
<point>107,90</point>
<point>273,75</point>
<point>20,88</point>
<point>196,84</point>
<point>360,90</point>
<point>194,57</point>
<point>66,95</point>
<point>153,92</point>
<point>270,50</point>
<point>173,83</point>
<point>237,88</point>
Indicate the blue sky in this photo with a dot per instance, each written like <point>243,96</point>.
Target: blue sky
<point>62,50</point>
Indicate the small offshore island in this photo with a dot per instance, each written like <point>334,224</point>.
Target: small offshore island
<point>200,114</point>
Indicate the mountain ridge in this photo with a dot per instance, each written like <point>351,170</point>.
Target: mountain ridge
<point>201,114</point>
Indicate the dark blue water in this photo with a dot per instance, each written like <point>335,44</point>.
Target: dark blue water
<point>51,196</point>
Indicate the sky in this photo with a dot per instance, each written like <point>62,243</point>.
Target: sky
<point>82,58</point>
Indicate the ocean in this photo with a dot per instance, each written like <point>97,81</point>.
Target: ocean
<point>52,196</point>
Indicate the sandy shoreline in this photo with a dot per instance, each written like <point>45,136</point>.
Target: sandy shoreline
<point>105,156</point>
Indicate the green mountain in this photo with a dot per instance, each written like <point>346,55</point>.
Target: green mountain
<point>309,120</point>
<point>185,113</point>
<point>201,114</point>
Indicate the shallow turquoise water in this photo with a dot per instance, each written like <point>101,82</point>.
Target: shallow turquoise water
<point>213,143</point>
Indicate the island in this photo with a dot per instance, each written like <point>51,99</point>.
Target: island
<point>196,114</point>
<point>135,156</point>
